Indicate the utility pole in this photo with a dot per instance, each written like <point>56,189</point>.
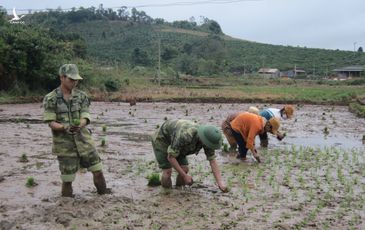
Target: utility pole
<point>159,61</point>
<point>355,46</point>
<point>295,70</point>
<point>244,67</point>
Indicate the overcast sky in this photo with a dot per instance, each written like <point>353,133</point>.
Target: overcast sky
<point>328,24</point>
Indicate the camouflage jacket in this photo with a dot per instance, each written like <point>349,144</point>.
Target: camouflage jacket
<point>181,137</point>
<point>56,108</point>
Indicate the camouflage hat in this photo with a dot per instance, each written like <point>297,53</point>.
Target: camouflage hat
<point>210,136</point>
<point>70,70</point>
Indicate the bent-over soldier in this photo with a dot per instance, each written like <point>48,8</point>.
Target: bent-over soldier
<point>175,140</point>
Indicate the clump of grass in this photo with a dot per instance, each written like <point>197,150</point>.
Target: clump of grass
<point>145,120</point>
<point>154,180</point>
<point>30,182</point>
<point>104,127</point>
<point>157,126</point>
<point>165,118</point>
<point>24,158</point>
<point>186,112</point>
<point>363,137</point>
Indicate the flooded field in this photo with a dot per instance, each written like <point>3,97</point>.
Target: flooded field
<point>313,179</point>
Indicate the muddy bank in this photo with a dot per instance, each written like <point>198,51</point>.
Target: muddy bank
<point>312,179</point>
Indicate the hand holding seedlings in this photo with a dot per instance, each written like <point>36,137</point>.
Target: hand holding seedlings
<point>188,180</point>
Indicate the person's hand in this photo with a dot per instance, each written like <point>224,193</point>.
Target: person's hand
<point>280,136</point>
<point>71,129</point>
<point>188,180</point>
<point>223,188</point>
<point>256,155</point>
<point>75,129</point>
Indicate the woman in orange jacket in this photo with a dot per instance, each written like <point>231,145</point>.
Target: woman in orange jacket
<point>246,126</point>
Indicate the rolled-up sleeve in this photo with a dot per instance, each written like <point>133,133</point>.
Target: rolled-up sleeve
<point>172,152</point>
<point>210,154</point>
<point>49,106</point>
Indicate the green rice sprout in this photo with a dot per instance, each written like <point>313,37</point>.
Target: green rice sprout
<point>154,180</point>
<point>103,141</point>
<point>76,122</point>
<point>24,158</point>
<point>30,182</point>
<point>104,127</point>
<point>225,148</point>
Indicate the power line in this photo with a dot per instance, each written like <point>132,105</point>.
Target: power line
<point>186,3</point>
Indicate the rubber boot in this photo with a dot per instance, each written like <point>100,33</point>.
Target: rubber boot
<point>100,184</point>
<point>67,189</point>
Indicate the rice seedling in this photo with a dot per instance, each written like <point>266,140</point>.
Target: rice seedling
<point>104,128</point>
<point>154,179</point>
<point>24,158</point>
<point>103,142</point>
<point>326,131</point>
<point>157,126</point>
<point>30,182</point>
<point>225,148</point>
<point>76,122</point>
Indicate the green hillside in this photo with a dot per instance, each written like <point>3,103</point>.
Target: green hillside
<point>133,37</point>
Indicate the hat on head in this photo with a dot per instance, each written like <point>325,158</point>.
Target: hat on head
<point>253,109</point>
<point>289,110</point>
<point>70,70</point>
<point>275,124</point>
<point>210,136</point>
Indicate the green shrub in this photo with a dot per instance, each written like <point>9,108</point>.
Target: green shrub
<point>112,85</point>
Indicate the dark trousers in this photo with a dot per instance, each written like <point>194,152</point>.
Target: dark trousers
<point>264,139</point>
<point>241,144</point>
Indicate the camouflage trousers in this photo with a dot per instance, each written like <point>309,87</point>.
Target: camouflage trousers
<point>70,165</point>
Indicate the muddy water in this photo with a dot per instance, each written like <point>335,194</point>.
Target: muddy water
<point>128,159</point>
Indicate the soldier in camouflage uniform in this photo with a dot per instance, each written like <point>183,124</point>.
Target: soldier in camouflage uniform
<point>176,139</point>
<point>66,110</point>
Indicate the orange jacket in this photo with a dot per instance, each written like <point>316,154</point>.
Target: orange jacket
<point>249,125</point>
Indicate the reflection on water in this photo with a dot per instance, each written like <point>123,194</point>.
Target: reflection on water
<point>345,142</point>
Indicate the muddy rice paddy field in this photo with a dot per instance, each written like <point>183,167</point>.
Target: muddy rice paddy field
<point>313,179</point>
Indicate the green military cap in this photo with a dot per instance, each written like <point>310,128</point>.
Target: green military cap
<point>70,70</point>
<point>210,136</point>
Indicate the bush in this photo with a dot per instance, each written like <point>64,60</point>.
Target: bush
<point>112,85</point>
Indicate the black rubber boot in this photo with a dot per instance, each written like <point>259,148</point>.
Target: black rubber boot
<point>67,189</point>
<point>100,184</point>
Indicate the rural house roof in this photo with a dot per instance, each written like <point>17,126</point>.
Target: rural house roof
<point>350,69</point>
<point>268,70</point>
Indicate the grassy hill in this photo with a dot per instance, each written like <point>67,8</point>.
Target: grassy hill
<point>185,46</point>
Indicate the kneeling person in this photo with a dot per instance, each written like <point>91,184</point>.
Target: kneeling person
<point>176,139</point>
